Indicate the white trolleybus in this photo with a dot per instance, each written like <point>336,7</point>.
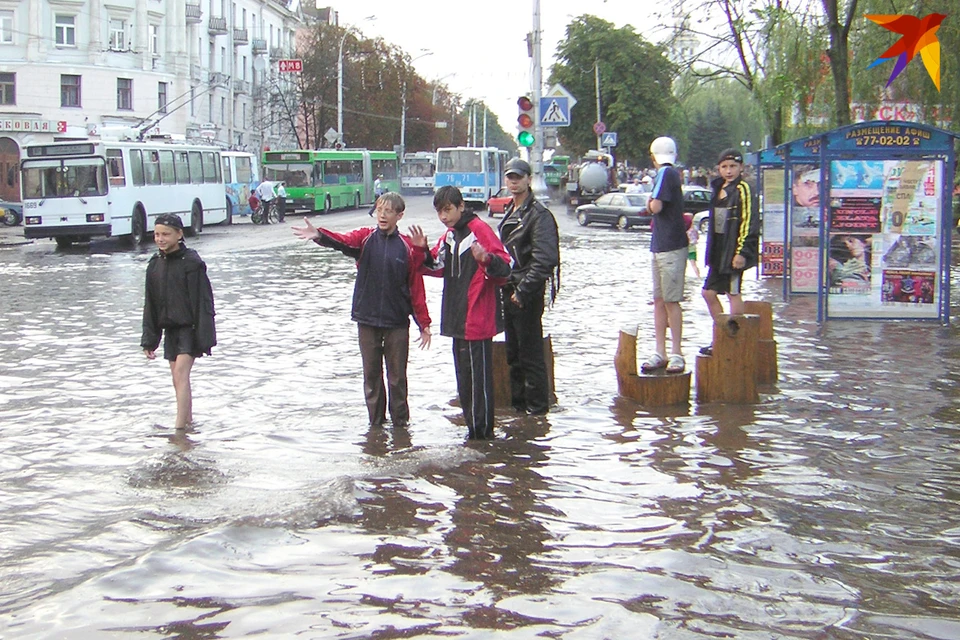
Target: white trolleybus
<point>75,191</point>
<point>416,172</point>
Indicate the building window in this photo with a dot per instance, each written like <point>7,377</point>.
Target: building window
<point>117,40</point>
<point>155,40</point>
<point>124,93</point>
<point>223,59</point>
<point>210,109</point>
<point>6,27</point>
<point>69,91</point>
<point>8,88</point>
<point>193,104</point>
<point>223,111</point>
<point>243,123</point>
<point>66,31</point>
<point>162,97</point>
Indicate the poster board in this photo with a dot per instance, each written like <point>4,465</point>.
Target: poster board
<point>773,194</point>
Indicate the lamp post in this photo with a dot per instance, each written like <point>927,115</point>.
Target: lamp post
<point>403,112</point>
<point>340,82</point>
<point>436,85</point>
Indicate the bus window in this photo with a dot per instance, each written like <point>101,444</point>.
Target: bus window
<point>196,168</point>
<point>182,167</point>
<point>385,168</point>
<point>244,170</point>
<point>167,173</point>
<point>115,167</point>
<point>209,167</point>
<point>151,166</point>
<point>227,173</point>
<point>136,167</point>
<point>331,172</point>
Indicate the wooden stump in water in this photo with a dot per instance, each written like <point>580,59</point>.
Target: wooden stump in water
<point>767,371</point>
<point>501,372</point>
<point>730,374</point>
<point>649,389</point>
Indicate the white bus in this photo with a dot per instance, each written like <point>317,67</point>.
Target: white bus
<point>476,171</point>
<point>75,191</point>
<point>416,172</point>
<point>241,177</point>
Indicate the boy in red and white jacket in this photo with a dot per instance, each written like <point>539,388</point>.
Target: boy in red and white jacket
<point>474,265</point>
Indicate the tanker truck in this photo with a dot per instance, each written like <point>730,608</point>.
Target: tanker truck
<point>590,179</point>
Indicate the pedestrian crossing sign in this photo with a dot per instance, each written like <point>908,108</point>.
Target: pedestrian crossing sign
<point>608,139</point>
<point>555,111</point>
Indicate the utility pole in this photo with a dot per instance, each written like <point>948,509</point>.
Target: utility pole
<point>596,82</point>
<point>538,185</point>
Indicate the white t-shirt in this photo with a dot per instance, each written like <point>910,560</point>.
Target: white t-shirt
<point>265,191</point>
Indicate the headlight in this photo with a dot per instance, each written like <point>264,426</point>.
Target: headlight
<point>94,217</point>
<point>32,220</point>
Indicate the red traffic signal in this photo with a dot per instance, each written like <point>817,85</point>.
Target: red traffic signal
<point>525,103</point>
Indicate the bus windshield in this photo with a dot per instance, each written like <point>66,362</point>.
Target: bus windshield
<point>416,169</point>
<point>64,178</point>
<point>294,175</point>
<point>459,161</point>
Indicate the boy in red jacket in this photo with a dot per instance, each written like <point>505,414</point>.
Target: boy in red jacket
<point>474,265</point>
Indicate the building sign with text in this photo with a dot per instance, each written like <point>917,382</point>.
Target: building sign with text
<point>33,125</point>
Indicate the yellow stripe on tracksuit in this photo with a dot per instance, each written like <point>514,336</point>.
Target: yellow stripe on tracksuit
<point>746,205</point>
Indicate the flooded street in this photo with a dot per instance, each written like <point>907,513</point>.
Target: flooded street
<point>829,510</point>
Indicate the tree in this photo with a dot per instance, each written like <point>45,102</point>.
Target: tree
<point>636,94</point>
<point>838,25</point>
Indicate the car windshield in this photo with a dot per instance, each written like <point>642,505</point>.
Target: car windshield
<point>503,193</point>
<point>637,200</point>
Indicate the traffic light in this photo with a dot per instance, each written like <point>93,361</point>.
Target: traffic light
<point>526,121</point>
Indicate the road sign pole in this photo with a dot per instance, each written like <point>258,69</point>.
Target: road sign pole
<point>538,184</point>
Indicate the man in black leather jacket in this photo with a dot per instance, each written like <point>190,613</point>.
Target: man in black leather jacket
<point>529,233</point>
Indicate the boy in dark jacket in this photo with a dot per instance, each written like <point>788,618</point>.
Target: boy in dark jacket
<point>733,237</point>
<point>389,289</point>
<point>473,264</point>
<point>178,302</point>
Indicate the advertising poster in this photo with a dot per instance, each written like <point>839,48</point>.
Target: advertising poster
<point>883,225</point>
<point>774,222</point>
<point>805,228</point>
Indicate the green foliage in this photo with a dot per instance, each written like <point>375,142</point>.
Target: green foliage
<point>720,115</point>
<point>636,94</point>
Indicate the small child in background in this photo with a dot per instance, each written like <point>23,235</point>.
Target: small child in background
<point>692,236</point>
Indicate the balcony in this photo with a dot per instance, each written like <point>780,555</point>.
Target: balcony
<point>277,53</point>
<point>259,45</point>
<point>196,74</point>
<point>217,78</point>
<point>217,26</point>
<point>194,14</point>
<point>241,86</point>
<point>240,37</point>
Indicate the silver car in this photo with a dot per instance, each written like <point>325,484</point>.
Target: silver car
<point>621,210</point>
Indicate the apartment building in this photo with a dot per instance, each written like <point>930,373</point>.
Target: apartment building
<point>201,69</point>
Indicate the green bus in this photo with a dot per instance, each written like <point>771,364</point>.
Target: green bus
<point>325,179</point>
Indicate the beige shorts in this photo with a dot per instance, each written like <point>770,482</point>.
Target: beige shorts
<point>669,270</point>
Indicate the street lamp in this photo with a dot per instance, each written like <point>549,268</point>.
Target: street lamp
<point>340,81</point>
<point>403,112</point>
<point>745,144</point>
<point>436,85</point>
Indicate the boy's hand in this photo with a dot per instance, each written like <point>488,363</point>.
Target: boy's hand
<point>739,262</point>
<point>308,232</point>
<point>480,254</point>
<point>151,355</point>
<point>417,237</point>
<point>424,340</point>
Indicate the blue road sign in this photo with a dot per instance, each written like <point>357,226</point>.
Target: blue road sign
<point>608,139</point>
<point>555,111</point>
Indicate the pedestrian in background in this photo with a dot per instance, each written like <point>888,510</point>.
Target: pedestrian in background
<point>668,244</point>
<point>693,236</point>
<point>529,233</point>
<point>266,194</point>
<point>178,303</point>
<point>388,290</point>
<point>281,192</point>
<point>473,264</point>
<point>733,237</point>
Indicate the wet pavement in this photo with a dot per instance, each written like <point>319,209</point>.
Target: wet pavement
<point>829,510</point>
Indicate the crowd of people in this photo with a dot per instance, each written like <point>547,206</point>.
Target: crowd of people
<point>493,281</point>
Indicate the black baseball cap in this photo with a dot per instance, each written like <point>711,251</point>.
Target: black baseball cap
<point>171,220</point>
<point>518,166</point>
<point>730,154</point>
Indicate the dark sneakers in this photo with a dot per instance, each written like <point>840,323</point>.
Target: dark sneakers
<point>707,350</point>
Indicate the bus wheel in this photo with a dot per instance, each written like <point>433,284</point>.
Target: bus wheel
<point>64,242</point>
<point>229,219</point>
<point>138,229</point>
<point>196,220</point>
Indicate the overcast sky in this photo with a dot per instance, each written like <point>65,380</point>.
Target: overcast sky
<point>483,42</point>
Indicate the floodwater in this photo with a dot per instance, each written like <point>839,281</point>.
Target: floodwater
<point>829,510</point>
